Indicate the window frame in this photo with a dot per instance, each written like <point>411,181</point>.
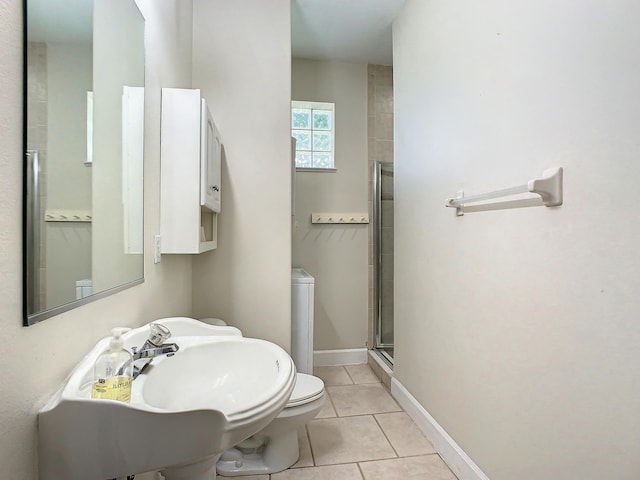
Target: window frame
<point>309,105</point>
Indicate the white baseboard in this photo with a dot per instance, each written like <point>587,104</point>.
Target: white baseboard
<point>330,358</point>
<point>458,461</point>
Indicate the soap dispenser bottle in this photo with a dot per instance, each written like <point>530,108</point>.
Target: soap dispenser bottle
<point>113,370</point>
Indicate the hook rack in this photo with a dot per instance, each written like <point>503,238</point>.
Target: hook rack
<point>68,216</point>
<point>340,218</point>
<point>549,187</point>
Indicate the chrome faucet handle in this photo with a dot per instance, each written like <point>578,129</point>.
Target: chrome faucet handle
<point>159,333</point>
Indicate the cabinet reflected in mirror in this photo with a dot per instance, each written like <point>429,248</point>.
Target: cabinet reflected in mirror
<point>84,135</point>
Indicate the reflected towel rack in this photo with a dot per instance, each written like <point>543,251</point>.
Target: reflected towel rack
<point>549,187</point>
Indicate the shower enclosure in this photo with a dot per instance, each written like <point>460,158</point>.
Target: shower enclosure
<point>383,266</point>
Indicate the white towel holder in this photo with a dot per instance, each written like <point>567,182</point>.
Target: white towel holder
<point>549,187</point>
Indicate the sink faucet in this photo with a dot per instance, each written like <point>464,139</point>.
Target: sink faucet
<point>151,352</point>
<point>153,347</point>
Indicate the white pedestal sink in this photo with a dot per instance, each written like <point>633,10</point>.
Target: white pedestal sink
<point>185,410</point>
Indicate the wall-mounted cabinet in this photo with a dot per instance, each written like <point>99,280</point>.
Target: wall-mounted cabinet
<point>190,158</point>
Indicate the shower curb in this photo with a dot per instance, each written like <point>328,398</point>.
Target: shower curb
<point>380,368</point>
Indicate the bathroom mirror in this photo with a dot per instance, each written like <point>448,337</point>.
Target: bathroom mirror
<point>83,163</point>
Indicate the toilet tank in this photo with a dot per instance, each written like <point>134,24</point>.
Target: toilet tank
<point>302,297</point>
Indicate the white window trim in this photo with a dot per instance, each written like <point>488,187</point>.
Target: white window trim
<point>319,106</point>
<point>316,169</point>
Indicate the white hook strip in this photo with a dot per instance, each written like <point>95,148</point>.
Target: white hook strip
<point>78,216</point>
<point>342,218</point>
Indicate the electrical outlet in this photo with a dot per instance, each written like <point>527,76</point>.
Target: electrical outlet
<point>157,251</point>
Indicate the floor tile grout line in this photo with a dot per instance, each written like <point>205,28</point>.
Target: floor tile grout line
<point>338,415</point>
<point>357,415</point>
<point>326,381</point>
<point>333,405</point>
<point>347,370</point>
<point>360,470</point>
<point>378,379</point>
<point>306,431</point>
<point>385,435</point>
<point>403,458</point>
<point>352,462</point>
<point>348,463</point>
<point>447,465</point>
<point>354,381</point>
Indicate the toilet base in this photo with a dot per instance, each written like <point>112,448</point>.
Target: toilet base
<point>279,453</point>
<point>204,469</point>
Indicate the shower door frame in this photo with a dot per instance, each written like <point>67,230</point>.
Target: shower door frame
<point>377,265</point>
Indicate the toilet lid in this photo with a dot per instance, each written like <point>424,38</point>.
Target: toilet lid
<point>307,389</point>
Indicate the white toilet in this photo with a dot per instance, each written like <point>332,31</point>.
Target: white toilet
<point>275,447</point>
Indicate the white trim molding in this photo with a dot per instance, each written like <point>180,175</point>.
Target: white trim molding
<point>331,358</point>
<point>459,462</point>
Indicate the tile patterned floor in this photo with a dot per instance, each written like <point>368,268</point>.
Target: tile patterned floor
<point>361,434</point>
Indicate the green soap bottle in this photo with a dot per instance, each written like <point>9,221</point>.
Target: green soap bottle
<point>113,370</point>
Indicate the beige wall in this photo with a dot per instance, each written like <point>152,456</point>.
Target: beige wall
<point>118,60</point>
<point>69,76</point>
<point>37,359</point>
<point>335,255</point>
<point>518,329</point>
<point>67,181</point>
<point>242,63</point>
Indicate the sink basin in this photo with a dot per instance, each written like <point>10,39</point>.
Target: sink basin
<point>185,410</point>
<point>218,386</point>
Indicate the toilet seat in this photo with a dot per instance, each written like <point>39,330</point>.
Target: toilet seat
<point>307,389</point>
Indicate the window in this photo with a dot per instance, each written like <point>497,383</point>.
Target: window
<point>312,127</point>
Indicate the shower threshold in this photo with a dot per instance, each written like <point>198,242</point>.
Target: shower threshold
<point>386,353</point>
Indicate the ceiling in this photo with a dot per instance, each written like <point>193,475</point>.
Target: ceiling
<point>60,21</point>
<point>347,30</point>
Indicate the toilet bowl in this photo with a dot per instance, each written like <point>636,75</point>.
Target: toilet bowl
<point>275,447</point>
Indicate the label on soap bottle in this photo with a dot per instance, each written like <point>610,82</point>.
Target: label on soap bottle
<point>112,388</point>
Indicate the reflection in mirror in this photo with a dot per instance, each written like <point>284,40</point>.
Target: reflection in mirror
<point>83,176</point>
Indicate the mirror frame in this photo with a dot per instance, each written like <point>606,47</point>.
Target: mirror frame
<point>32,319</point>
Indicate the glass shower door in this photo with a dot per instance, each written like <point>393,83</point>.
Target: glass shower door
<point>383,212</point>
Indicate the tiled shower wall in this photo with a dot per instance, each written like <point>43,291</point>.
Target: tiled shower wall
<point>37,136</point>
<point>380,145</point>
